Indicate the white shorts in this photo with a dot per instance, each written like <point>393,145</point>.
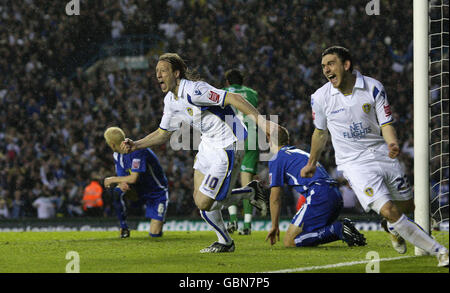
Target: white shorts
<point>220,168</point>
<point>382,179</point>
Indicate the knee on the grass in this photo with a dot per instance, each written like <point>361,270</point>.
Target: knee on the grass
<point>289,241</point>
<point>292,232</point>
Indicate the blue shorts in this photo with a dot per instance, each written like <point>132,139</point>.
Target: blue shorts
<point>322,208</point>
<point>156,207</point>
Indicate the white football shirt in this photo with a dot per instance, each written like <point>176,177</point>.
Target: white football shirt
<point>354,120</point>
<point>202,106</point>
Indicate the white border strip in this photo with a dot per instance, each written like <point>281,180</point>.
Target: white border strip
<point>342,264</point>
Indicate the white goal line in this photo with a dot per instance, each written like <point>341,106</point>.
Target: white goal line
<point>337,265</point>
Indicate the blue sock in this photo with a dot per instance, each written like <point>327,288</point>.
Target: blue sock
<point>119,206</point>
<point>324,235</point>
<point>337,229</point>
<point>123,225</point>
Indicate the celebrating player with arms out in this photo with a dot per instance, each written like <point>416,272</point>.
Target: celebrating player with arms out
<point>139,175</point>
<point>316,221</point>
<point>249,166</point>
<point>355,110</point>
<point>209,110</point>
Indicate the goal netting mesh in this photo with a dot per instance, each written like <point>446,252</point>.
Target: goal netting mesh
<point>439,118</point>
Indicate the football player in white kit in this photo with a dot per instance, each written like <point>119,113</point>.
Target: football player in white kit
<point>355,110</point>
<point>209,110</point>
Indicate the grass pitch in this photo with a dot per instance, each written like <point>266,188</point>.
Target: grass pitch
<point>178,252</point>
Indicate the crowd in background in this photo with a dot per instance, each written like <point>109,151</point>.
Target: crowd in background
<point>53,115</point>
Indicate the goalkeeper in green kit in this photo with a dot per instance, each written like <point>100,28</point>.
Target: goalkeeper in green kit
<point>234,80</point>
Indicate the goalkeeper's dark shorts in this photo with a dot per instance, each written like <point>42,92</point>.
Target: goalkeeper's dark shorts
<point>250,162</point>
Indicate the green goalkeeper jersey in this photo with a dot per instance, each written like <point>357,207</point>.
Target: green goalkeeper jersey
<point>252,97</point>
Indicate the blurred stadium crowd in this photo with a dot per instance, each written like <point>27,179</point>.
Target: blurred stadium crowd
<point>53,115</point>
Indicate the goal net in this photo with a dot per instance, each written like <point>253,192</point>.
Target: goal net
<point>438,115</point>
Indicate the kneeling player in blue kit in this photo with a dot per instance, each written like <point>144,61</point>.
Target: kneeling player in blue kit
<point>141,178</point>
<point>316,221</point>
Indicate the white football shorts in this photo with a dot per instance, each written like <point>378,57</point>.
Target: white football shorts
<point>382,178</point>
<point>220,168</point>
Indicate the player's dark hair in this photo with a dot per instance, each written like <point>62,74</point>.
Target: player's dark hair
<point>234,76</point>
<point>342,53</point>
<point>283,136</point>
<point>178,63</point>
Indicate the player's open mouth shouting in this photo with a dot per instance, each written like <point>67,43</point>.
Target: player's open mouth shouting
<point>333,79</point>
<point>331,68</point>
<point>162,85</point>
<point>166,77</point>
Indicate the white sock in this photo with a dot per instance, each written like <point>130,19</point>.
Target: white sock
<point>232,210</point>
<point>243,192</point>
<point>237,195</point>
<point>215,220</point>
<point>247,218</point>
<point>234,198</point>
<point>412,233</point>
<point>217,205</point>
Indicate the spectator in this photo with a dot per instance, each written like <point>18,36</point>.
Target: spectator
<point>169,28</point>
<point>4,211</point>
<point>45,206</point>
<point>92,198</point>
<point>351,204</point>
<point>408,147</point>
<point>74,200</point>
<point>116,26</point>
<point>18,205</point>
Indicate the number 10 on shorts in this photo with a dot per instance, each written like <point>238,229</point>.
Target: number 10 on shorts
<point>211,183</point>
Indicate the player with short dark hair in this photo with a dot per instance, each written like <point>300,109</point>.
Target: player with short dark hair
<point>342,53</point>
<point>355,110</point>
<point>249,166</point>
<point>316,222</point>
<point>140,179</point>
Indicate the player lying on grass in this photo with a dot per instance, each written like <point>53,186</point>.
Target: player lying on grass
<point>210,111</point>
<point>355,110</point>
<point>140,179</point>
<point>316,221</point>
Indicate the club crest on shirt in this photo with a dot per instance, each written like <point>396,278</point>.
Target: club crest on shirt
<point>213,96</point>
<point>136,164</point>
<point>368,191</point>
<point>189,110</point>
<point>366,108</point>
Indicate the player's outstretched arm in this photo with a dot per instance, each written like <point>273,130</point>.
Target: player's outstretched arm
<point>247,109</point>
<point>157,137</point>
<point>130,179</point>
<point>275,207</point>
<point>318,141</point>
<point>390,136</point>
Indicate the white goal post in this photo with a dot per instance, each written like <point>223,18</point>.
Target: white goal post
<point>421,131</point>
<point>431,117</point>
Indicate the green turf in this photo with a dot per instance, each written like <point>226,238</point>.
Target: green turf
<point>178,252</point>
